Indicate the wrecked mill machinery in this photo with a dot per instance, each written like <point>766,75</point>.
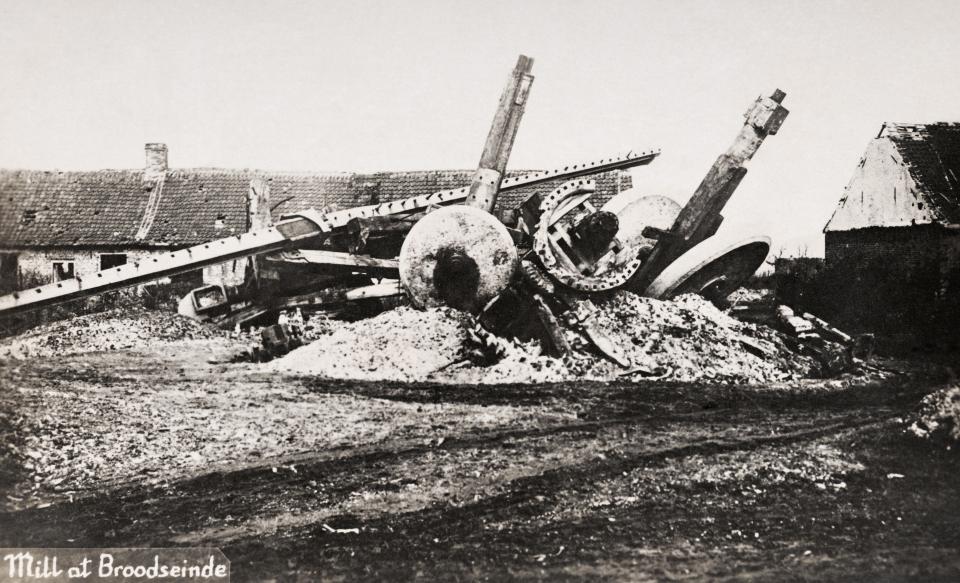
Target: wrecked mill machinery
<point>520,274</point>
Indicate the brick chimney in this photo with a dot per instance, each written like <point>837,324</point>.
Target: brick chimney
<point>156,161</point>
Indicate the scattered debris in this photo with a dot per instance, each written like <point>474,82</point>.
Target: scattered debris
<point>118,329</point>
<point>836,351</point>
<point>277,340</point>
<point>939,416</point>
<point>695,340</point>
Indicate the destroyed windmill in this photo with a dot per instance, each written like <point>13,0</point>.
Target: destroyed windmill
<point>520,277</point>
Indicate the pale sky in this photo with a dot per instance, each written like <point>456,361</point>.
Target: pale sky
<point>412,85</point>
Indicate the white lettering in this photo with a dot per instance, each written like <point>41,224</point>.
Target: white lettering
<point>80,571</point>
<point>85,563</point>
<point>17,567</point>
<point>106,565</point>
<point>207,571</point>
<point>154,570</point>
<point>23,565</point>
<point>47,571</point>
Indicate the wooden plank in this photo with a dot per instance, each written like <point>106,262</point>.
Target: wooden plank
<point>258,205</point>
<point>335,258</point>
<point>828,330</point>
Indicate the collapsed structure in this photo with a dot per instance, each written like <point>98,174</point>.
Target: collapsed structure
<point>55,225</point>
<point>534,272</point>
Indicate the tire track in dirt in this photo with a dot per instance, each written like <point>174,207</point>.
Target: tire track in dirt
<point>242,489</point>
<point>134,515</point>
<point>410,537</point>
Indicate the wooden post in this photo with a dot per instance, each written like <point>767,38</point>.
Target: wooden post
<point>496,151</point>
<point>258,205</point>
<point>258,218</point>
<point>700,217</point>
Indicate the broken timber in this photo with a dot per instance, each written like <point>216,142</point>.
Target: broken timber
<point>503,131</point>
<point>700,217</point>
<point>553,339</point>
<point>324,298</point>
<point>336,259</point>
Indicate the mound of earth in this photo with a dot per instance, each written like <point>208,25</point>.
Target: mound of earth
<point>686,339</point>
<point>118,329</point>
<point>401,344</point>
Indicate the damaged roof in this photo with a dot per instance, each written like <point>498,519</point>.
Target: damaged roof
<point>70,208</point>
<point>909,175</point>
<point>931,153</point>
<point>121,208</point>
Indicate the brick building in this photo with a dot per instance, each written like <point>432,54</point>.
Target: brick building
<point>893,242</point>
<point>55,225</point>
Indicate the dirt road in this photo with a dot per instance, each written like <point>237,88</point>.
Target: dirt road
<point>296,478</point>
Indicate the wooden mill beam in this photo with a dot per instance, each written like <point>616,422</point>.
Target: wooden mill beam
<point>700,217</point>
<point>503,132</point>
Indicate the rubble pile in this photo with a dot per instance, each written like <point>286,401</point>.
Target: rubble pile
<point>402,344</point>
<point>686,339</point>
<point>118,329</point>
<point>939,416</point>
<point>690,339</point>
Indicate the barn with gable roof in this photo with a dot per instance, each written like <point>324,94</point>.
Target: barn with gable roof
<point>893,241</point>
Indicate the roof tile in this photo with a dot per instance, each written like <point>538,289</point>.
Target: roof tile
<point>107,207</point>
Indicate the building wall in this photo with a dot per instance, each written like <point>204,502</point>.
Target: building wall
<point>948,300</point>
<point>881,193</point>
<point>950,258</point>
<point>888,280</point>
<point>229,273</point>
<point>908,248</point>
<point>36,266</point>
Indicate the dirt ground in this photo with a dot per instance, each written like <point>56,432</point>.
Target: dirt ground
<point>297,478</point>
